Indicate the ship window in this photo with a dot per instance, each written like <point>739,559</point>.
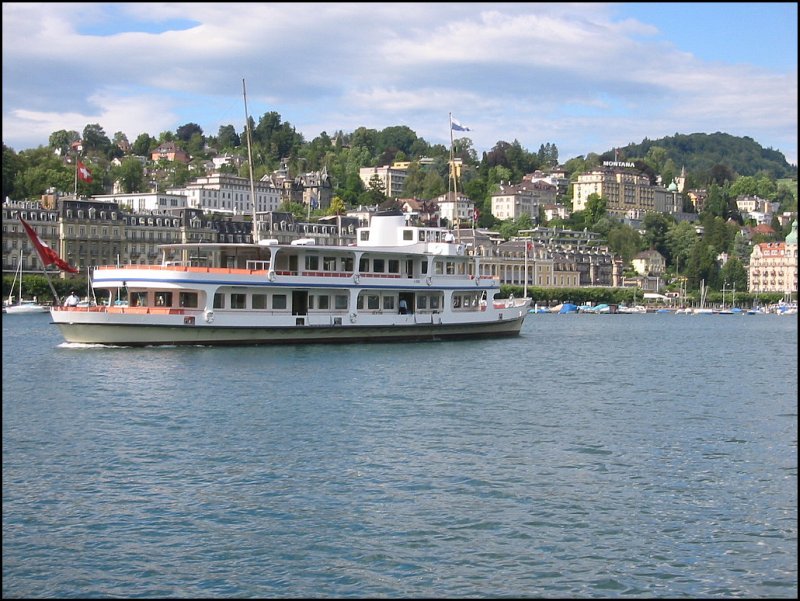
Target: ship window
<point>278,301</point>
<point>422,302</point>
<point>394,266</point>
<point>138,299</point>
<point>408,235</point>
<point>434,302</point>
<point>259,301</point>
<point>340,301</point>
<point>323,302</point>
<point>312,262</point>
<point>219,301</point>
<point>329,263</point>
<point>238,301</point>
<point>388,303</point>
<point>163,299</point>
<point>188,299</point>
<point>347,264</point>
<point>364,235</point>
<point>363,264</point>
<point>378,265</point>
<point>373,302</point>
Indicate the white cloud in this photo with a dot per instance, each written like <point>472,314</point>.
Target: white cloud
<point>569,74</point>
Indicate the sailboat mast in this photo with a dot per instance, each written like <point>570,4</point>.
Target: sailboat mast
<point>250,163</point>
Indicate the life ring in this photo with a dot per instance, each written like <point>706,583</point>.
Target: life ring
<point>460,249</point>
<point>356,278</point>
<point>428,280</point>
<point>209,315</point>
<point>271,276</point>
<point>353,317</point>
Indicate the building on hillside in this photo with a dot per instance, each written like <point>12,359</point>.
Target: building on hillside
<point>393,179</point>
<point>226,193</point>
<point>649,262</point>
<point>514,201</point>
<point>758,209</point>
<point>698,198</point>
<point>455,209</point>
<point>556,211</point>
<point>556,177</point>
<point>169,151</point>
<point>773,265</point>
<point>137,202</point>
<point>423,212</point>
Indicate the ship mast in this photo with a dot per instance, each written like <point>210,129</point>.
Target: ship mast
<point>452,179</point>
<point>250,163</point>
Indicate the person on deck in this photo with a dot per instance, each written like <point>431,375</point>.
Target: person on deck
<point>72,300</point>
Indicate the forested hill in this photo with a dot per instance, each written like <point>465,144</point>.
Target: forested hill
<point>699,153</point>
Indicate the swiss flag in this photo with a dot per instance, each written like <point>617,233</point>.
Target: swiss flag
<point>46,254</point>
<point>83,173</point>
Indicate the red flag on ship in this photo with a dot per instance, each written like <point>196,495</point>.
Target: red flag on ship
<point>83,173</point>
<point>46,254</point>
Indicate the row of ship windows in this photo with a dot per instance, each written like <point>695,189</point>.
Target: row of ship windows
<point>370,301</point>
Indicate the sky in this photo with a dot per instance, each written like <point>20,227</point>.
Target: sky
<point>587,77</point>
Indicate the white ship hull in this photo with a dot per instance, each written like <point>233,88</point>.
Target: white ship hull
<point>89,328</point>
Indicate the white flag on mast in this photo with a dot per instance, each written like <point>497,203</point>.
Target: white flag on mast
<point>455,125</point>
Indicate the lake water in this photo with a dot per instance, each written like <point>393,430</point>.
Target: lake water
<point>593,456</point>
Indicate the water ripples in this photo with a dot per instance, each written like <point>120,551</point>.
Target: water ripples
<point>595,456</point>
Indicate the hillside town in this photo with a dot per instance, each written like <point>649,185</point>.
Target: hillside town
<point>127,228</point>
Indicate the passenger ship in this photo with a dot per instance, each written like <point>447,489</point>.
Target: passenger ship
<point>397,283</point>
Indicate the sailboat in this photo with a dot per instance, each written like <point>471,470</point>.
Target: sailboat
<point>22,305</point>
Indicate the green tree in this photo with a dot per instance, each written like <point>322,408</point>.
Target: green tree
<point>130,175</point>
<point>595,209</point>
<point>433,185</point>
<point>625,242</point>
<point>12,165</point>
<point>227,138</point>
<point>656,226</point>
<point>143,145</point>
<point>375,193</point>
<point>95,139</point>
<point>681,240</point>
<point>61,141</point>
<point>185,132</point>
<point>337,206</point>
<point>733,274</point>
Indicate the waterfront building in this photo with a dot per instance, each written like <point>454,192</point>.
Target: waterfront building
<point>773,265</point>
<point>87,233</point>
